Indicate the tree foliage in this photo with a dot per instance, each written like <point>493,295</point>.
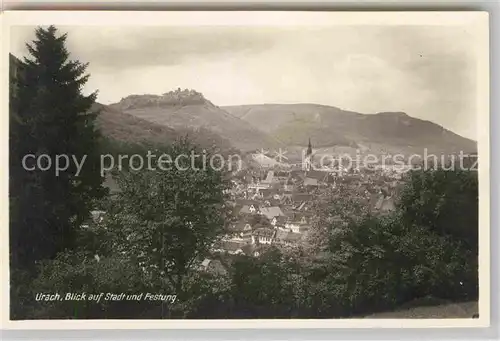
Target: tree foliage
<point>444,201</point>
<point>50,116</point>
<point>80,273</point>
<point>384,263</point>
<point>169,219</point>
<point>261,287</point>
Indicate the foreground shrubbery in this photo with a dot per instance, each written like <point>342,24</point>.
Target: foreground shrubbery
<point>446,202</point>
<point>370,264</point>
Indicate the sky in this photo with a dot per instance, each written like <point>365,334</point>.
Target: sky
<point>428,72</point>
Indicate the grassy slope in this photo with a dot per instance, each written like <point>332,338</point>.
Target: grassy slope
<point>205,116</point>
<point>126,128</point>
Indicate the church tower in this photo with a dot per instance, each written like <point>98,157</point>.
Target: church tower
<point>308,157</point>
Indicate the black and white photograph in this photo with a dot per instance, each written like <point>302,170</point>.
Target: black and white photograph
<point>228,166</point>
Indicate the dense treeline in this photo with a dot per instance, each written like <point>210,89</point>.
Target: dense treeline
<point>163,224</point>
<point>369,264</point>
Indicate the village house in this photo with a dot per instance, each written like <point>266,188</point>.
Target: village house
<point>241,230</point>
<point>242,202</point>
<point>257,186</point>
<point>286,198</point>
<point>387,205</point>
<point>310,182</point>
<point>271,212</point>
<point>269,193</point>
<point>296,175</point>
<point>272,202</point>
<point>319,176</point>
<point>213,266</point>
<point>381,203</point>
<point>263,236</point>
<point>249,209</point>
<point>97,216</point>
<point>270,179</point>
<point>298,224</point>
<point>288,185</point>
<point>281,175</point>
<point>301,197</point>
<point>279,221</point>
<point>300,207</point>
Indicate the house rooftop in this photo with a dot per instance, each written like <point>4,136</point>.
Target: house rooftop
<point>264,232</point>
<point>239,226</point>
<point>246,209</point>
<point>301,196</point>
<point>246,202</point>
<point>281,219</point>
<point>310,182</point>
<point>271,212</point>
<point>317,175</point>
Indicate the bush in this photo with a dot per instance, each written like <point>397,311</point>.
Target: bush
<point>261,287</point>
<point>78,273</point>
<point>385,262</point>
<point>444,201</point>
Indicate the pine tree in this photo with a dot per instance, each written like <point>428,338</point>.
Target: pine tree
<point>50,115</point>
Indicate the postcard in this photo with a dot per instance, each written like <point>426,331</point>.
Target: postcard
<point>245,169</point>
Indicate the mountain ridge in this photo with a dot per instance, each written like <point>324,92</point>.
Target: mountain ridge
<point>125,128</point>
<point>183,109</point>
<point>331,126</point>
<point>272,126</point>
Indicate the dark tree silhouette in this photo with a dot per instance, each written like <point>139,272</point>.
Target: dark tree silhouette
<point>50,115</point>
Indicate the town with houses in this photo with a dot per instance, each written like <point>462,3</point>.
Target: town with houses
<point>275,205</point>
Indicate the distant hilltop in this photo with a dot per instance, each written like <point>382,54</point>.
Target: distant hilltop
<point>188,109</point>
<point>289,126</point>
<point>347,131</point>
<point>176,97</point>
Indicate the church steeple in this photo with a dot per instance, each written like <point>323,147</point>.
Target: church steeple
<point>309,148</point>
<point>308,157</point>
